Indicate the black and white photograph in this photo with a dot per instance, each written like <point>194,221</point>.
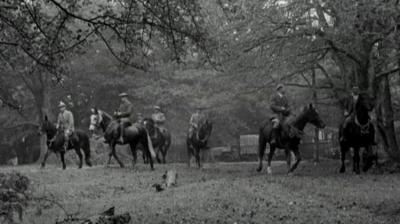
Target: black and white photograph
<point>199,111</point>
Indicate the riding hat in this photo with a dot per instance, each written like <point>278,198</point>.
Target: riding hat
<point>279,86</point>
<point>355,89</point>
<point>157,107</point>
<point>123,95</point>
<point>200,107</point>
<point>61,104</point>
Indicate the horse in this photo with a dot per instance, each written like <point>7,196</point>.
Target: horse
<point>133,135</point>
<point>198,141</point>
<point>289,137</point>
<point>56,139</point>
<point>360,132</point>
<point>161,139</point>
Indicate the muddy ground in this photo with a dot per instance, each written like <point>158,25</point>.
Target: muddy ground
<point>218,193</point>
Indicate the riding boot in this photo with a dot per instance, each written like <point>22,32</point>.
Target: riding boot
<point>65,146</point>
<point>274,135</point>
<point>121,137</point>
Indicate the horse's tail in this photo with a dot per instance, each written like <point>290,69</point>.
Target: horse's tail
<point>150,145</point>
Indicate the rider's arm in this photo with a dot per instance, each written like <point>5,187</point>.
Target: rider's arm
<point>58,121</point>
<point>274,105</point>
<point>127,112</point>
<point>70,119</point>
<point>192,121</point>
<point>162,118</point>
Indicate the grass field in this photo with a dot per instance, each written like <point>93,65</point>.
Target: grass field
<point>219,193</point>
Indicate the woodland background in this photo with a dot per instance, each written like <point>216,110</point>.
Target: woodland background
<point>229,54</point>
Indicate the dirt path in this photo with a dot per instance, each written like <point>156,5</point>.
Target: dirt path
<point>220,193</point>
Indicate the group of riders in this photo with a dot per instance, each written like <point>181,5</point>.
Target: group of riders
<point>279,105</point>
<point>126,117</point>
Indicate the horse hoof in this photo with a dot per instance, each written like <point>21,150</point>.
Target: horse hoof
<point>269,170</point>
<point>290,174</point>
<point>342,170</point>
<point>259,169</point>
<point>42,166</point>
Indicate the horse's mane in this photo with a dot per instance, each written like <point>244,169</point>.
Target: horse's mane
<point>106,114</point>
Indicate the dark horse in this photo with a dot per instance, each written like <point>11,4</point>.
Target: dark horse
<point>198,141</point>
<point>161,139</point>
<point>133,135</point>
<point>360,132</point>
<point>289,138</point>
<point>55,143</point>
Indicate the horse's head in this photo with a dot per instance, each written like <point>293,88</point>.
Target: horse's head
<point>104,120</point>
<point>365,102</point>
<point>312,115</point>
<point>205,129</point>
<point>46,127</point>
<point>149,124</point>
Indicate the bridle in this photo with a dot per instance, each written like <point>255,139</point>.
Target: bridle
<point>364,128</point>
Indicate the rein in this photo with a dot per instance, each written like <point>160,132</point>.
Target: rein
<point>298,130</point>
<point>199,139</point>
<point>364,128</point>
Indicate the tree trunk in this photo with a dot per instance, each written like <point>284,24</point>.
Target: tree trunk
<point>316,130</point>
<point>385,119</point>
<point>42,100</point>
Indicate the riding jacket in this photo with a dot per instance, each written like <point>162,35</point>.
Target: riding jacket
<point>159,118</point>
<point>65,121</point>
<point>197,119</point>
<point>279,104</point>
<point>126,112</point>
<point>350,105</point>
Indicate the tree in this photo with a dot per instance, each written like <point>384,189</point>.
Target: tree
<point>346,42</point>
<point>39,37</point>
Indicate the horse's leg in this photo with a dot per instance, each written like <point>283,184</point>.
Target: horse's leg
<point>197,155</point>
<point>134,154</point>
<point>79,153</point>
<point>343,151</point>
<point>288,159</point>
<point>270,156</point>
<point>368,158</point>
<point>114,153</point>
<point>298,159</point>
<point>356,160</point>
<point>45,158</point>
<point>146,150</point>
<point>112,146</point>
<point>63,160</point>
<point>261,150</point>
<point>157,154</point>
<point>85,146</point>
<point>164,154</point>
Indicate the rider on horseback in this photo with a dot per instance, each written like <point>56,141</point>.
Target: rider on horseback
<point>280,107</point>
<point>350,110</point>
<point>124,114</point>
<point>94,120</point>
<point>65,122</point>
<point>196,120</point>
<point>350,106</point>
<point>158,117</point>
